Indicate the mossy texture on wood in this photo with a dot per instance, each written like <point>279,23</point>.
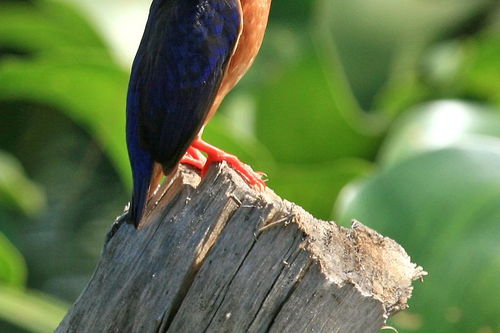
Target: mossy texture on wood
<point>218,256</point>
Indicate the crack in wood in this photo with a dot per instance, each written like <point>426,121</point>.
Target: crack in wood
<point>206,246</point>
<point>227,288</point>
<point>196,266</point>
<point>294,251</point>
<point>289,293</point>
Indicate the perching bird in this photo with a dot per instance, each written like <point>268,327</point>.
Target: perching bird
<point>192,53</point>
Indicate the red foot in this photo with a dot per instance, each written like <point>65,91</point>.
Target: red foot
<point>194,158</point>
<point>217,155</point>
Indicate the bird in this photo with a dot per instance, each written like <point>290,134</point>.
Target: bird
<point>192,53</point>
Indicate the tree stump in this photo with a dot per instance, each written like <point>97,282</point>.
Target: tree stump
<point>218,256</point>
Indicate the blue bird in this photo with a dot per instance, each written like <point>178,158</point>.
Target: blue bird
<point>193,52</point>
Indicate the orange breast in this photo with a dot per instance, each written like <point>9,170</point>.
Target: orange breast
<point>255,15</point>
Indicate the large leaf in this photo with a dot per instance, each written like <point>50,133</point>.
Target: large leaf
<point>460,68</point>
<point>436,125</point>
<point>481,72</point>
<point>467,68</point>
<point>45,26</point>
<point>67,68</point>
<point>92,93</point>
<point>12,265</point>
<point>31,310</point>
<point>442,206</point>
<point>299,121</point>
<point>315,186</point>
<point>16,189</point>
<point>381,40</point>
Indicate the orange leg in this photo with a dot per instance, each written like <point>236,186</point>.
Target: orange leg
<point>194,158</point>
<point>215,155</point>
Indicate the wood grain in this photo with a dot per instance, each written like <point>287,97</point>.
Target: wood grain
<point>218,256</point>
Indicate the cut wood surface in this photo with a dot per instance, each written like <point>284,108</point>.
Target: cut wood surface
<point>219,256</point>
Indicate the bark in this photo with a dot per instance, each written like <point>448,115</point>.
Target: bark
<point>219,256</point>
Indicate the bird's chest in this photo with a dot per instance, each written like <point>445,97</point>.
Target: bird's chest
<point>255,16</point>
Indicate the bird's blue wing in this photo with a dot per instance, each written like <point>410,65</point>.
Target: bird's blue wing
<point>176,74</point>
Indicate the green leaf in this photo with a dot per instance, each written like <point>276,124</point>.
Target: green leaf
<point>45,26</point>
<point>381,40</point>
<point>442,206</point>
<point>436,125</point>
<point>92,93</point>
<point>315,187</point>
<point>31,310</point>
<point>68,68</point>
<point>12,266</point>
<point>481,73</point>
<point>292,12</point>
<point>225,134</point>
<point>16,189</point>
<point>299,121</point>
<point>459,68</point>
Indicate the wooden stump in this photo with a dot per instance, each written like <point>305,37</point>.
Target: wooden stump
<point>217,256</point>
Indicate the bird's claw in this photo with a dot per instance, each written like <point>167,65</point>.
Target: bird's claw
<point>251,177</point>
<point>194,158</point>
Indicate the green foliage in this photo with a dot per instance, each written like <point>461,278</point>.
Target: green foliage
<point>15,189</point>
<point>436,125</point>
<point>481,70</point>
<point>12,265</point>
<point>31,310</point>
<point>67,67</point>
<point>438,194</point>
<point>45,27</point>
<point>382,41</point>
<point>386,111</point>
<point>300,101</point>
<point>443,206</point>
<point>89,92</point>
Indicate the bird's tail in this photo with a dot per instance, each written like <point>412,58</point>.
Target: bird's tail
<point>146,179</point>
<point>142,179</point>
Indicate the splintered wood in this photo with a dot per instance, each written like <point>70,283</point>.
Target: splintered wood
<point>218,256</point>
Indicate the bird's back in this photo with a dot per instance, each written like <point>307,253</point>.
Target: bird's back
<point>176,74</point>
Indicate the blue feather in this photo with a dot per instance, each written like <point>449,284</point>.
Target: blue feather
<point>176,74</point>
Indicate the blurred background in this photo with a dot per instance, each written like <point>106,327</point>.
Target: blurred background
<point>387,111</point>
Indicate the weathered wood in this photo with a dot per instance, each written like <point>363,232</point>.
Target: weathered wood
<point>217,256</point>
